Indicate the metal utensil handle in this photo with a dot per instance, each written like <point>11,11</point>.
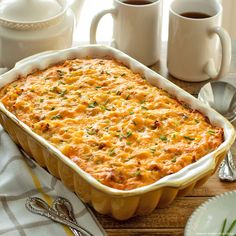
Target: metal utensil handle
<point>69,223</point>
<point>40,207</point>
<point>75,232</point>
<point>64,207</point>
<point>227,169</point>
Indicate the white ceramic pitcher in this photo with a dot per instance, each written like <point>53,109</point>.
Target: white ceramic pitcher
<point>32,26</point>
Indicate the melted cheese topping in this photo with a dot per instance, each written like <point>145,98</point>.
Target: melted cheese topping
<point>110,121</point>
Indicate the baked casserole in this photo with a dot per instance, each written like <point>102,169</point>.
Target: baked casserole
<point>119,203</point>
<point>110,121</point>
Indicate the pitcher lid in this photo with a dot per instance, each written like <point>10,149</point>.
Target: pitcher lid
<point>28,11</point>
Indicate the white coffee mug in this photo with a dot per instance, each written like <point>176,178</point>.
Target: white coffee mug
<point>193,45</point>
<point>137,28</point>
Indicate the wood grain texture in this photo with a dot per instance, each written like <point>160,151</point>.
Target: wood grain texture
<point>172,220</point>
<point>148,232</point>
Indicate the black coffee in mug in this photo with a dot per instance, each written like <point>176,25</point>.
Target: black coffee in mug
<point>141,2</point>
<point>195,15</point>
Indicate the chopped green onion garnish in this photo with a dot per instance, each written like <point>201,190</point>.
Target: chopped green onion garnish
<point>56,117</point>
<point>163,138</point>
<point>53,89</point>
<point>211,132</point>
<point>90,131</point>
<point>128,134</point>
<point>127,97</point>
<point>137,173</point>
<point>111,152</point>
<point>118,92</point>
<point>189,138</point>
<point>60,82</point>
<point>152,150</point>
<point>232,225</point>
<point>129,158</point>
<point>63,92</point>
<point>92,105</point>
<point>60,73</point>
<point>103,107</point>
<point>230,228</point>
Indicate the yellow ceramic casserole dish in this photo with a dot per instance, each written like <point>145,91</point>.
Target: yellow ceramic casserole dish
<point>121,204</point>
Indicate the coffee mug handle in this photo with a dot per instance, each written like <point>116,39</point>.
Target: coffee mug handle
<point>95,21</point>
<point>210,67</point>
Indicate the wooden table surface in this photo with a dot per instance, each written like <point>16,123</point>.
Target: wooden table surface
<point>172,220</point>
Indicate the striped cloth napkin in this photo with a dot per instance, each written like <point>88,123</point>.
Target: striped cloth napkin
<point>20,178</point>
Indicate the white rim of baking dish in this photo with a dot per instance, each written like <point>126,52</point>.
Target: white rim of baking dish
<point>181,178</point>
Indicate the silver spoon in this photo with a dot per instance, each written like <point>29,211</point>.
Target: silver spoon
<point>222,97</point>
<point>64,208</point>
<point>40,207</point>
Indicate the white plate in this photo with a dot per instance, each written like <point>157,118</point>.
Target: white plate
<point>208,218</point>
